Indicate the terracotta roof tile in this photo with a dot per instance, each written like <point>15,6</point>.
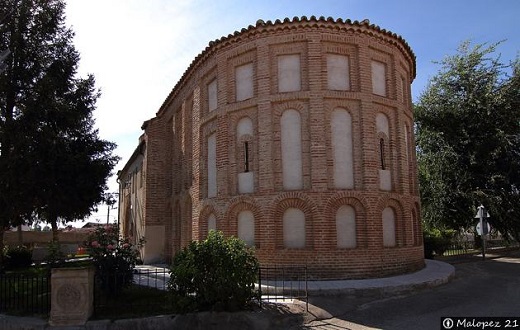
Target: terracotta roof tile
<point>262,26</point>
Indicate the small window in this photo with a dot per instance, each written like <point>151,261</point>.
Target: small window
<point>341,139</point>
<point>379,78</point>
<point>346,227</point>
<point>244,127</point>
<point>292,163</point>
<point>338,72</point>
<point>403,89</point>
<point>246,227</point>
<point>294,228</point>
<point>212,165</point>
<point>212,222</point>
<point>212,95</point>
<point>382,124</point>
<point>388,227</point>
<point>289,75</point>
<point>246,156</point>
<point>382,153</point>
<point>244,82</point>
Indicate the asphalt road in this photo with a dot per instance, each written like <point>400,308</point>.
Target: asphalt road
<point>480,288</point>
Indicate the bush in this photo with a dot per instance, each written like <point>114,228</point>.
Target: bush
<point>215,274</point>
<point>113,257</point>
<point>55,257</point>
<point>437,241</point>
<point>18,257</point>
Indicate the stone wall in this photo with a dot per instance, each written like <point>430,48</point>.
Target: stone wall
<point>38,241</point>
<point>43,237</point>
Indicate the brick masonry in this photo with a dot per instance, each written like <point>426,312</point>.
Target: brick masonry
<point>174,166</point>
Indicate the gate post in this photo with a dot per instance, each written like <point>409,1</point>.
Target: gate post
<point>72,296</point>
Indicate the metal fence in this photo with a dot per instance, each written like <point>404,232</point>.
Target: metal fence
<point>25,294</point>
<point>142,291</point>
<point>275,284</point>
<point>283,283</point>
<point>154,277</point>
<point>473,247</point>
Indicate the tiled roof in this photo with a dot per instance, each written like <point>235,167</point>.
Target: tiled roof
<point>262,26</point>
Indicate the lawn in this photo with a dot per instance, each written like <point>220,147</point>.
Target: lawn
<point>132,302</point>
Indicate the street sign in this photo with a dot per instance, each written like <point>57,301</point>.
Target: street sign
<point>485,225</point>
<point>482,213</point>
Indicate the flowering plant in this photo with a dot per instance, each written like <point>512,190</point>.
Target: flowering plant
<point>114,257</point>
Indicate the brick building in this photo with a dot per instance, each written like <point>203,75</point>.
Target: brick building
<point>294,135</point>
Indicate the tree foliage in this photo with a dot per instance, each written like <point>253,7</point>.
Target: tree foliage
<point>52,162</point>
<point>468,140</point>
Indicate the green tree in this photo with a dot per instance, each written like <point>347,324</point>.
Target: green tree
<point>468,140</point>
<point>52,163</point>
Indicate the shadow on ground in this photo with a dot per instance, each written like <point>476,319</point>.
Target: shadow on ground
<point>479,288</point>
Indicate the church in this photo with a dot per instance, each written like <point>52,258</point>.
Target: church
<point>295,136</point>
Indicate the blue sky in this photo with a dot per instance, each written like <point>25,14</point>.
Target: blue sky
<point>138,50</point>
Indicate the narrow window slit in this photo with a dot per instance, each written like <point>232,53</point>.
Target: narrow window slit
<point>382,153</point>
<point>246,156</point>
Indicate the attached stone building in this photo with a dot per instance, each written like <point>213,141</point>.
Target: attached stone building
<point>294,135</point>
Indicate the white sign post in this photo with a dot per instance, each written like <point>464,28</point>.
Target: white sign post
<point>483,228</point>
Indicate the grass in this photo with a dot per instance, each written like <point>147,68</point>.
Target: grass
<point>135,301</point>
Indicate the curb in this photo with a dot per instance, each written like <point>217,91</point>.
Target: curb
<point>435,273</point>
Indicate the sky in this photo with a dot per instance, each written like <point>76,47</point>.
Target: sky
<point>138,50</point>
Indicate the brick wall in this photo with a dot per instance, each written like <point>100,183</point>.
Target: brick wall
<point>176,156</point>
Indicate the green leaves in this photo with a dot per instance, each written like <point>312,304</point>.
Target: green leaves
<point>114,257</point>
<point>53,164</point>
<point>216,274</point>
<point>468,139</point>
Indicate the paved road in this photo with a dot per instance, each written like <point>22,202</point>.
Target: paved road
<point>480,288</point>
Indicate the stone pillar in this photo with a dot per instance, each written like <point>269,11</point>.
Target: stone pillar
<point>72,296</point>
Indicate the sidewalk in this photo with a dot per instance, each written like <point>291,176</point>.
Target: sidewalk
<point>156,276</point>
<point>433,274</point>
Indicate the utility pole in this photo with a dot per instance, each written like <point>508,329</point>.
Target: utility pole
<point>110,201</point>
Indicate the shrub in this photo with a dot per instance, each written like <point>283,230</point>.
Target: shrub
<point>215,274</point>
<point>437,241</point>
<point>113,257</point>
<point>55,256</point>
<point>18,257</point>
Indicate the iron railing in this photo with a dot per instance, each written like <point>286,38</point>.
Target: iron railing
<point>283,283</point>
<point>275,284</point>
<point>142,291</point>
<point>28,294</point>
<point>472,247</point>
<point>25,294</point>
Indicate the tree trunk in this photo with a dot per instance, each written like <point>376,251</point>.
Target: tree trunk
<point>20,235</point>
<point>2,249</point>
<point>54,225</point>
